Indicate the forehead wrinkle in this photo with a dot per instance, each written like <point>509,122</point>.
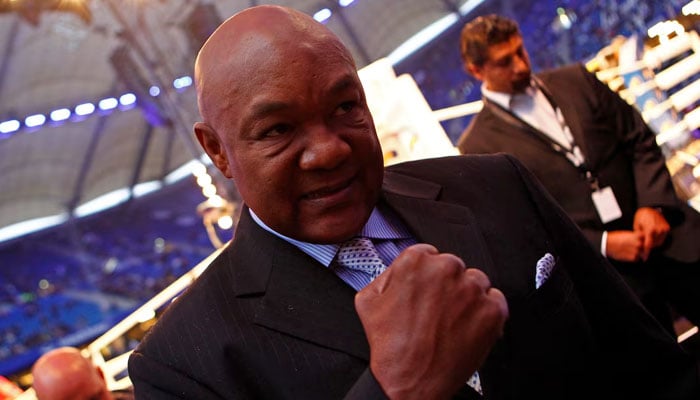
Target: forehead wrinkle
<point>262,107</point>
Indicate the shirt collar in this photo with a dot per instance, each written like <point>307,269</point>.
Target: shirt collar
<point>380,225</point>
<point>505,99</point>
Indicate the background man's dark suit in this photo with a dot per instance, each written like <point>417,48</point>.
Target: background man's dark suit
<point>279,325</point>
<point>620,149</point>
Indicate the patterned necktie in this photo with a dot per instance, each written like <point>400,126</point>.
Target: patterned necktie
<point>359,254</point>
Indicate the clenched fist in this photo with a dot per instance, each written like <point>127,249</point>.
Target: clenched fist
<point>430,323</point>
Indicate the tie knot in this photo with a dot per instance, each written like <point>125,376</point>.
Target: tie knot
<point>360,254</point>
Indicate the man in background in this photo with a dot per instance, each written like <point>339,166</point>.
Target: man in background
<point>64,374</point>
<point>595,155</point>
<point>346,280</point>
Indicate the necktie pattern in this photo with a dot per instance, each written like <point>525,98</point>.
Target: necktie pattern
<point>359,253</point>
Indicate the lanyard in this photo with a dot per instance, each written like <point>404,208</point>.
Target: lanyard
<point>572,153</point>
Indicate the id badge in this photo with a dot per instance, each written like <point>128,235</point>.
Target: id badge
<point>606,204</point>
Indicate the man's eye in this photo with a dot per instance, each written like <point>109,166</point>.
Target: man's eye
<point>345,107</point>
<point>277,130</point>
<point>504,62</point>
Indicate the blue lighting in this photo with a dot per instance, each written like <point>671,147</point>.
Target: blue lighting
<point>108,103</point>
<point>9,126</point>
<point>85,109</point>
<point>127,99</point>
<point>34,120</point>
<point>345,3</point>
<point>60,115</point>
<point>322,15</point>
<point>78,113</point>
<point>182,82</point>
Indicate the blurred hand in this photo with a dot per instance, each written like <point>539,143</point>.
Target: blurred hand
<point>430,323</point>
<point>653,226</point>
<point>627,246</point>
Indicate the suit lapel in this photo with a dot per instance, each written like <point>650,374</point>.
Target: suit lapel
<point>448,227</point>
<point>522,131</point>
<point>307,300</point>
<point>505,115</point>
<point>572,117</point>
<point>298,296</point>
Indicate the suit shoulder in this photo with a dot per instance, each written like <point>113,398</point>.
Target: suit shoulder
<point>191,301</point>
<point>445,168</point>
<point>563,71</point>
<point>566,76</point>
<point>473,138</point>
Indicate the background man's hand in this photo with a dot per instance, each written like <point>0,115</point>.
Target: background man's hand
<point>653,226</point>
<point>430,323</point>
<point>627,246</point>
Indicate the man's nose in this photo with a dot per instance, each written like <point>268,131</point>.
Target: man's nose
<point>520,63</point>
<point>324,149</point>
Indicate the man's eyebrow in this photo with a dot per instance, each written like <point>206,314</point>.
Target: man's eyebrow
<point>342,84</point>
<point>502,59</point>
<point>267,107</point>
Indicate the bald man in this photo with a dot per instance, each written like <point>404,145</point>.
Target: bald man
<point>345,280</point>
<point>64,374</point>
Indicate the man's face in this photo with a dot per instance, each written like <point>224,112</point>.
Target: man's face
<point>507,67</point>
<point>299,142</point>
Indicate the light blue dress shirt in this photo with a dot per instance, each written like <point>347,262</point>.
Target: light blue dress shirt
<point>388,233</point>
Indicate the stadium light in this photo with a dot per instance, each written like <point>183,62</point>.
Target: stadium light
<point>9,126</point>
<point>61,114</point>
<point>182,82</point>
<point>322,15</point>
<point>127,99</point>
<point>84,109</point>
<point>108,104</point>
<point>35,120</point>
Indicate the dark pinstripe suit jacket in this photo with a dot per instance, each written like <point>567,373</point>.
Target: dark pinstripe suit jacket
<point>265,321</point>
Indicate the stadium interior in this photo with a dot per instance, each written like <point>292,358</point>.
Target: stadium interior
<point>109,209</point>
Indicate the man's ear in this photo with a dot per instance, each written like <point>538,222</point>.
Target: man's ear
<point>212,145</point>
<point>475,71</point>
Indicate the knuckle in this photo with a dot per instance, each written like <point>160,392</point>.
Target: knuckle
<point>476,275</point>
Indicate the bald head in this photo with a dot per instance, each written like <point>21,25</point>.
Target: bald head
<point>64,373</point>
<point>248,42</point>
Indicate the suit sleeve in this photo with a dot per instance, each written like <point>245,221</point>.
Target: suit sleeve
<point>652,180</point>
<point>636,347</point>
<point>594,236</point>
<point>169,384</point>
<point>366,388</point>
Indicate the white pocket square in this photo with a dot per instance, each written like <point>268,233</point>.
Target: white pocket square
<point>475,383</point>
<point>544,268</point>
